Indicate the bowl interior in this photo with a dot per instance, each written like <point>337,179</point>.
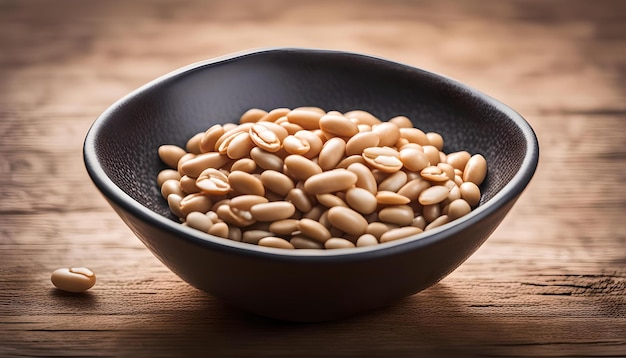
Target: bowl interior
<point>175,107</point>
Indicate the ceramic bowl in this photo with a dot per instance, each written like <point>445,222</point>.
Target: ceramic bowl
<point>120,154</point>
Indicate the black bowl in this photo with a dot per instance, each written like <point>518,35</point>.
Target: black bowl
<point>120,154</point>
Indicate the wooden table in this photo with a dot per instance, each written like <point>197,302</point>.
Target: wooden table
<point>551,281</point>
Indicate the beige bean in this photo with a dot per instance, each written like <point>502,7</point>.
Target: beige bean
<point>277,182</point>
<point>173,201</point>
<point>475,170</point>
<point>431,212</point>
<point>470,193</point>
<point>313,230</point>
<point>432,153</point>
<point>184,159</point>
<point>388,133</point>
<point>213,181</point>
<point>441,220</point>
<point>435,139</point>
<point>366,240</point>
<point>434,174</point>
<point>195,202</point>
<point>414,159</point>
<point>458,180</point>
<point>199,221</point>
<point>377,229</point>
<point>229,126</point>
<point>252,115</point>
<point>171,186</point>
<point>447,169</point>
<point>275,114</point>
<point>291,128</point>
<point>244,183</point>
<point>193,144</point>
<point>362,117</point>
<point>219,229</point>
<point>414,135</point>
<point>405,144</point>
<point>266,160</point>
<point>360,141</point>
<point>299,199</point>
<point>330,200</point>
<point>213,216</point>
<point>265,138</point>
<point>219,203</point>
<point>276,242</point>
<point>330,181</point>
<point>188,184</point>
<point>391,198</point>
<point>284,227</point>
<point>419,222</point>
<point>400,233</point>
<point>234,217</point>
<point>210,138</point>
<point>365,178</point>
<point>295,145</point>
<point>311,108</point>
<point>401,215</point>
<point>455,193</point>
<point>300,242</point>
<point>361,200</point>
<point>402,142</point>
<point>272,211</point>
<point>347,220</point>
<point>385,159</point>
<point>229,134</point>
<point>433,195</point>
<point>393,182</point>
<point>171,154</point>
<point>314,141</point>
<point>167,174</point>
<point>306,119</point>
<point>459,159</point>
<point>193,167</point>
<point>338,243</point>
<point>245,202</point>
<point>332,152</point>
<point>413,188</point>
<point>254,236</point>
<point>401,122</point>
<point>444,204</point>
<point>75,279</point>
<point>457,209</point>
<point>237,146</point>
<point>338,125</point>
<point>346,162</point>
<point>244,164</point>
<point>364,128</point>
<point>300,167</point>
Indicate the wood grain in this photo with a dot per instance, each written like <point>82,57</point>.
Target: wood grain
<point>551,281</point>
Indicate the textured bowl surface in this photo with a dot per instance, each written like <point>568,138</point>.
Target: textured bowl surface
<point>121,157</point>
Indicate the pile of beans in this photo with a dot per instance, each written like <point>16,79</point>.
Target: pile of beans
<point>305,178</point>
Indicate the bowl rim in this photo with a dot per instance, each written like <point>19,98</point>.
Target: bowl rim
<point>116,195</point>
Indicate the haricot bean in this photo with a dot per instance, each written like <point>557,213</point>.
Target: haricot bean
<point>306,178</point>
